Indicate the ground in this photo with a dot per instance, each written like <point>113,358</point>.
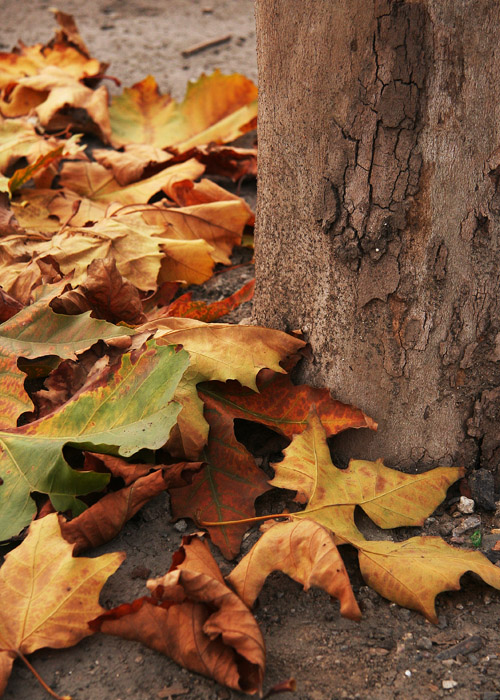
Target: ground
<point>392,652</point>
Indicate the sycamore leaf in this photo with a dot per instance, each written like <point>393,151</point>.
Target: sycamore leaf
<point>129,166</point>
<point>228,161</point>
<point>127,407</point>
<point>105,293</point>
<point>46,210</point>
<point>217,351</point>
<point>220,224</point>
<point>37,331</point>
<point>23,175</point>
<point>285,407</point>
<point>185,307</point>
<point>105,519</point>
<point>193,617</point>
<point>19,139</point>
<point>217,108</point>
<point>389,497</point>
<point>223,351</point>
<point>412,573</point>
<point>303,550</point>
<point>95,182</point>
<point>189,262</point>
<point>186,193</point>
<point>48,596</point>
<point>226,487</point>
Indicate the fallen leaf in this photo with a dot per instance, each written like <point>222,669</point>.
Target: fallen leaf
<point>129,166</point>
<point>217,108</point>
<point>193,617</point>
<point>106,518</point>
<point>224,489</point>
<point>18,139</point>
<point>412,573</point>
<point>48,596</point>
<point>185,307</point>
<point>389,497</point>
<point>105,293</point>
<point>129,407</point>
<point>37,331</point>
<point>285,407</point>
<point>303,550</point>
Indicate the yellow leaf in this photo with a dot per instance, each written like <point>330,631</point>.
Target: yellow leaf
<point>303,550</point>
<point>412,573</point>
<point>217,108</point>
<point>48,597</point>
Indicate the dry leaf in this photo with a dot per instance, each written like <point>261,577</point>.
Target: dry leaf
<point>48,597</point>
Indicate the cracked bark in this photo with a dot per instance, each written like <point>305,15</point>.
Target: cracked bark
<point>379,215</point>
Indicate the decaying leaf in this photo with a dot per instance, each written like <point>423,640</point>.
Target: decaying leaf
<point>185,307</point>
<point>37,331</point>
<point>217,108</point>
<point>128,407</point>
<point>224,489</point>
<point>389,497</point>
<point>412,573</point>
<point>48,596</point>
<point>193,617</point>
<point>307,553</point>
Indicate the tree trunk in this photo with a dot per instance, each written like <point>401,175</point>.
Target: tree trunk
<point>379,215</point>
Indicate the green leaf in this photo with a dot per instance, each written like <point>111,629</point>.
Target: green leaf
<point>128,407</point>
<point>36,331</point>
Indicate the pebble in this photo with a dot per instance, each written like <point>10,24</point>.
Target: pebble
<point>482,485</point>
<point>471,523</point>
<point>424,643</point>
<point>449,684</point>
<point>180,526</point>
<point>489,695</point>
<point>466,505</point>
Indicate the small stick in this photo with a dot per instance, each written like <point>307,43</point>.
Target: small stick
<point>197,48</point>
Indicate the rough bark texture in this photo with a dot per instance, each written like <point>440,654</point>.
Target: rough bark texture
<point>379,214</point>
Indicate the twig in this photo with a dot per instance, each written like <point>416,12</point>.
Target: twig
<point>197,48</point>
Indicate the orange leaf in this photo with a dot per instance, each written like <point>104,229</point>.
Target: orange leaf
<point>105,519</point>
<point>185,307</point>
<point>225,489</point>
<point>194,618</point>
<point>48,597</point>
<point>303,550</point>
<point>217,108</point>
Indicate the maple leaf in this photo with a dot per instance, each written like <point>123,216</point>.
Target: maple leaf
<point>48,596</point>
<point>226,487</point>
<point>105,519</point>
<point>105,293</point>
<point>218,351</point>
<point>284,406</point>
<point>18,139</point>
<point>127,407</point>
<point>193,617</point>
<point>97,183</point>
<point>303,550</point>
<point>389,497</point>
<point>217,108</point>
<point>185,307</point>
<point>37,331</point>
<point>412,573</point>
<point>130,164</point>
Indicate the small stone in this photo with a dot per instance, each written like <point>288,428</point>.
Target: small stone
<point>490,695</point>
<point>139,659</point>
<point>466,505</point>
<point>482,486</point>
<point>404,614</point>
<point>424,643</point>
<point>180,526</point>
<point>473,659</point>
<point>449,684</point>
<point>142,572</point>
<point>470,523</point>
<point>442,622</point>
<point>408,673</point>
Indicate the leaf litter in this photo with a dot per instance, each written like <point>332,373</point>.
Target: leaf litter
<point>117,385</point>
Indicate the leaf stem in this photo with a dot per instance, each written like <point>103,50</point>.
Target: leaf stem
<point>257,519</point>
<point>40,679</point>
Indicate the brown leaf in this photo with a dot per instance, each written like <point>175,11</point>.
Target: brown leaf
<point>8,222</point>
<point>8,306</point>
<point>106,293</point>
<point>194,618</point>
<point>105,519</point>
<point>303,550</point>
<point>48,597</point>
<point>130,165</point>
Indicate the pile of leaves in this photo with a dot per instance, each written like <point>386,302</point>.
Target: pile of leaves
<point>115,389</point>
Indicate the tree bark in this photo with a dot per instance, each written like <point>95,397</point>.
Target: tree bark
<point>378,215</point>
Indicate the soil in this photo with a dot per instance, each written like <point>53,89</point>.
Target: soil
<point>392,652</point>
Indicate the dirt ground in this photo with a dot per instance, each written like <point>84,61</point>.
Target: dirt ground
<point>392,652</point>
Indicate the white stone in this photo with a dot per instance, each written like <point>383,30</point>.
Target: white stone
<point>466,505</point>
<point>449,684</point>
